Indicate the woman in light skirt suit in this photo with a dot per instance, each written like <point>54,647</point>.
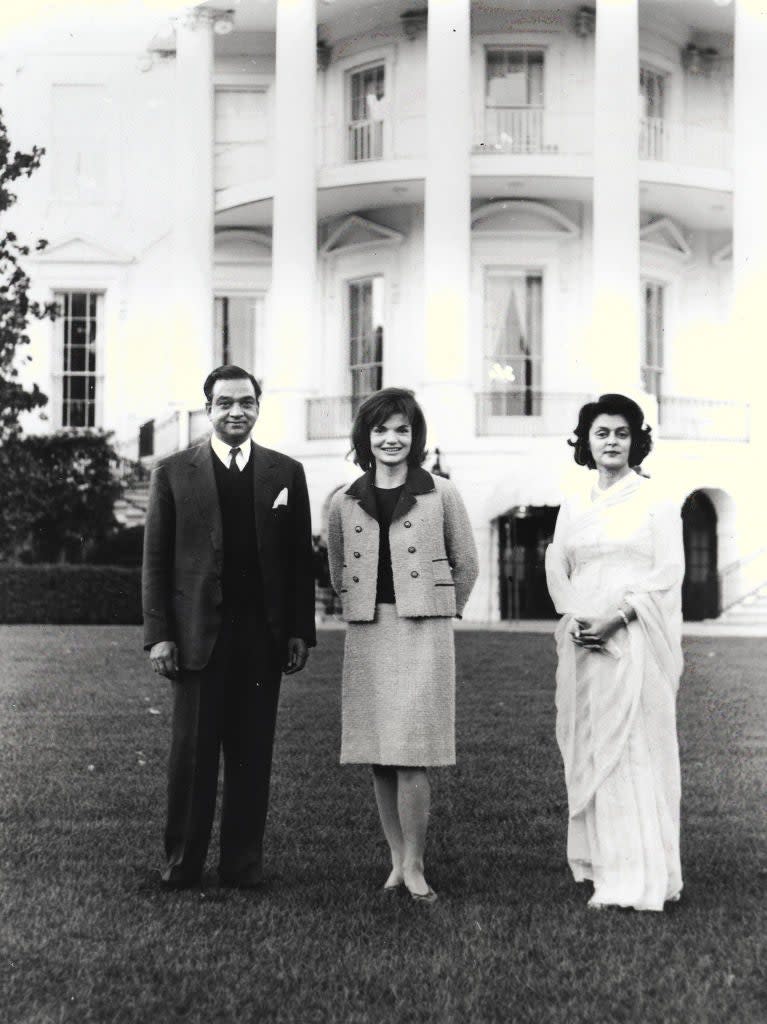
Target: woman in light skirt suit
<point>403,560</point>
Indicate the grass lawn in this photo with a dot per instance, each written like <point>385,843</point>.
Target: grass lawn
<point>87,936</point>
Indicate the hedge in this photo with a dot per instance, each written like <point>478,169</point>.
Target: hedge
<point>70,594</point>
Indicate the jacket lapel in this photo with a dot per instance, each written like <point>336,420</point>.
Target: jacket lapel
<point>263,472</point>
<point>206,496</point>
<point>362,491</point>
<point>418,481</point>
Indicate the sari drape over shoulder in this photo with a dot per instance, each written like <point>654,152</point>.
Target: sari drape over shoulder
<point>616,708</point>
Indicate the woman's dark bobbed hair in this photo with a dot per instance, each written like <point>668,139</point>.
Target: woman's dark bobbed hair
<point>375,411</point>
<point>612,405</point>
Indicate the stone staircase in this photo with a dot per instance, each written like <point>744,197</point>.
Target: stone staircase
<point>749,611</point>
<point>130,509</point>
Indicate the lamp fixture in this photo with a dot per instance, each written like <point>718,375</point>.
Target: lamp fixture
<point>698,60</point>
<point>585,22</point>
<point>324,54</point>
<point>414,23</point>
<point>223,23</point>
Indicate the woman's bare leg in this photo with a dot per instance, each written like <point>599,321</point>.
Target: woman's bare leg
<point>385,786</point>
<point>413,803</point>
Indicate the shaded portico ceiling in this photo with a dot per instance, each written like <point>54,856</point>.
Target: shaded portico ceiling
<point>353,17</point>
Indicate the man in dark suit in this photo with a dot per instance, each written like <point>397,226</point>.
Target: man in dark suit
<point>228,596</point>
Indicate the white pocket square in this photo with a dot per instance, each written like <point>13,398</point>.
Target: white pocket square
<point>281,499</point>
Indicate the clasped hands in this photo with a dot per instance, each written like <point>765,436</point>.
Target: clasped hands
<point>592,632</point>
<point>163,657</point>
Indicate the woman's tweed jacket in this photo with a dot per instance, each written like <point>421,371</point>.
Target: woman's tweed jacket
<point>433,554</point>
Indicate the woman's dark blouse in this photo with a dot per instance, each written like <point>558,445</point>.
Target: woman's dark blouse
<point>386,501</point>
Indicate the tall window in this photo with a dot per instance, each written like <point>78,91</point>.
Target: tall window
<point>366,335</point>
<point>79,328</point>
<point>652,99</point>
<point>366,100</point>
<point>240,135</point>
<point>80,149</point>
<point>653,322</point>
<point>236,328</point>
<point>514,99</point>
<point>513,340</point>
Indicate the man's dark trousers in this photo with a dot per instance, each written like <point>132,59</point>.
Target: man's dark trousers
<point>230,704</point>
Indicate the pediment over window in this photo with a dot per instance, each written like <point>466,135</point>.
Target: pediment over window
<point>663,235</point>
<point>355,232</point>
<point>80,249</point>
<point>522,217</point>
<point>241,245</point>
<point>723,256</point>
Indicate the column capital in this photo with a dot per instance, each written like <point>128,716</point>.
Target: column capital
<point>194,18</point>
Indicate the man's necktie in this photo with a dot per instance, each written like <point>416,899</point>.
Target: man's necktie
<point>234,469</point>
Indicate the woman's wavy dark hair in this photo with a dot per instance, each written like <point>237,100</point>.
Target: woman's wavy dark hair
<point>612,405</point>
<point>375,411</point>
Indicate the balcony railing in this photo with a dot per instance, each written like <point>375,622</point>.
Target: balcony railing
<point>703,419</point>
<point>332,417</point>
<point>364,140</point>
<point>686,143</point>
<point>527,412</point>
<point>533,130</point>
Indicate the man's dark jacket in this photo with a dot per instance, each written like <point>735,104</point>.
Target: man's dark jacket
<point>183,552</point>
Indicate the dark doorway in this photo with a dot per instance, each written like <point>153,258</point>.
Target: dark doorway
<point>700,590</point>
<point>524,533</point>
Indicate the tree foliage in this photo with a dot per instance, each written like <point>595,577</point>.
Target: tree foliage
<point>58,496</point>
<point>16,309</point>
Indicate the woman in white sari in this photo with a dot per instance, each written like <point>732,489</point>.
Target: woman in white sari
<point>614,572</point>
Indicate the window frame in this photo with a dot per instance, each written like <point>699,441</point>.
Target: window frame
<point>112,143</point>
<point>258,298</point>
<point>348,284</point>
<point>378,62</point>
<point>654,370</point>
<point>531,395</point>
<point>257,84</point>
<point>59,372</point>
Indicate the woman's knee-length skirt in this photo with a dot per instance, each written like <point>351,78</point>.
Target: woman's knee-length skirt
<point>398,694</point>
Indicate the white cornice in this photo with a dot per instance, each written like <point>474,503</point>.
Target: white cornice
<point>663,235</point>
<point>377,234</point>
<point>81,249</point>
<point>550,221</point>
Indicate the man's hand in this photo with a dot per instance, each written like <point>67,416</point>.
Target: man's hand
<point>164,659</point>
<point>297,654</point>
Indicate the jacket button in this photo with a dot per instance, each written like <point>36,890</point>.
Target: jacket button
<point>356,554</point>
<point>356,579</point>
<point>407,524</point>
<point>414,574</point>
<point>411,550</point>
<point>358,529</point>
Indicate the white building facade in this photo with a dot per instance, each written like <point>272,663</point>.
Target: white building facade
<point>509,210</point>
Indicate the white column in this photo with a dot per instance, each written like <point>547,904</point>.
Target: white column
<point>447,227</point>
<point>750,204</point>
<point>192,315</point>
<point>615,341</point>
<point>294,244</point>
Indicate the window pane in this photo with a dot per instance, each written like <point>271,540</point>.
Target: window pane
<point>513,334</point>
<point>78,302</point>
<point>366,334</point>
<point>514,78</point>
<point>79,337</point>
